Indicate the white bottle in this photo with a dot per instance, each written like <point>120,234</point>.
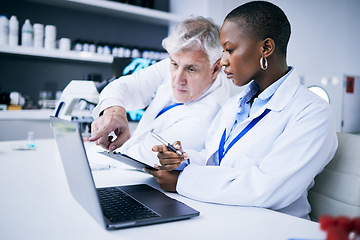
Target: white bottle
<point>27,34</point>
<point>38,35</point>
<point>50,37</point>
<point>13,31</point>
<point>4,30</point>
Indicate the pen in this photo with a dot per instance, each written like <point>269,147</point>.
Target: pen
<point>168,145</point>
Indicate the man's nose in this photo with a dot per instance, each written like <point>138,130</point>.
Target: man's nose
<point>180,77</point>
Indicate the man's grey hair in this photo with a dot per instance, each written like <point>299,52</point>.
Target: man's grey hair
<point>196,33</point>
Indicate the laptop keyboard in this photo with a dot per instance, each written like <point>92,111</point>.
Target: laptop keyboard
<point>118,206</point>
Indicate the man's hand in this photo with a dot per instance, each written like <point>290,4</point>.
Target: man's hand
<point>167,180</point>
<point>113,120</point>
<point>168,159</point>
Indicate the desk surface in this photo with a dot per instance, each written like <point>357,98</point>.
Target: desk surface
<point>36,203</point>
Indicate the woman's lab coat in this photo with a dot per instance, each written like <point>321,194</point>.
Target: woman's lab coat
<point>274,164</point>
<point>151,88</point>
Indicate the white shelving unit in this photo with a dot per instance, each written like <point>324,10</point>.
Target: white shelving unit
<point>98,6</point>
<point>56,54</point>
<point>117,9</point>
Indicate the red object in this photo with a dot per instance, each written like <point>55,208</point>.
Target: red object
<point>337,233</point>
<point>356,225</point>
<point>326,221</point>
<point>345,222</point>
<point>350,81</point>
<point>339,228</point>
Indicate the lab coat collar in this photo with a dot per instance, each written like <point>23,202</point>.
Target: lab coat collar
<point>285,92</point>
<point>280,98</point>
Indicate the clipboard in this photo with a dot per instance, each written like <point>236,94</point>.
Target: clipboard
<point>128,160</point>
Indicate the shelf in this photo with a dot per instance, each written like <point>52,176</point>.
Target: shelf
<point>56,54</point>
<point>117,9</point>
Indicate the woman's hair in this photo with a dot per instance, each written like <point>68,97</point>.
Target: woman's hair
<point>263,20</point>
<point>194,34</point>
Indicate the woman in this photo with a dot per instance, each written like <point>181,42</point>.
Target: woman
<point>266,144</point>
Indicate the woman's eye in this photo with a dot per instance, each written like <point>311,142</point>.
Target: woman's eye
<point>229,50</point>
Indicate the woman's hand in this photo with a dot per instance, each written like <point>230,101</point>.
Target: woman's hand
<point>167,180</point>
<point>169,160</point>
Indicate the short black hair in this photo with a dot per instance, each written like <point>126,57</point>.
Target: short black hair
<point>263,20</point>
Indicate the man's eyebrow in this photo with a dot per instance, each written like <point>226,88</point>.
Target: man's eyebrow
<point>192,66</point>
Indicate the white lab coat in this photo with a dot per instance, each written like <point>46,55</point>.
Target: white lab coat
<point>274,164</point>
<point>151,88</point>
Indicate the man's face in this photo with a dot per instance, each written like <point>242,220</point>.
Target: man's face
<point>191,74</point>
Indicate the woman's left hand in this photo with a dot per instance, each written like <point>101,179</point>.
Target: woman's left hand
<point>167,180</point>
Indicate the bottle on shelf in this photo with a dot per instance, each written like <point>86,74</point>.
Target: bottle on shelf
<point>13,31</point>
<point>50,37</point>
<point>38,35</point>
<point>27,34</point>
<point>4,30</point>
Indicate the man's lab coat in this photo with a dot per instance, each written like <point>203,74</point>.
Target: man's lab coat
<point>274,164</point>
<point>151,88</point>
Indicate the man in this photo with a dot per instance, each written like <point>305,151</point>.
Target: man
<point>182,94</point>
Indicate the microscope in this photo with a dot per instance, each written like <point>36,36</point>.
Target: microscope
<point>77,101</point>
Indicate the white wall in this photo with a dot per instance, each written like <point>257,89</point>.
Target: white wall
<point>325,33</point>
<point>324,43</point>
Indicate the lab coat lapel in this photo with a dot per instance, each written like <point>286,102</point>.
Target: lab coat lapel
<point>161,100</point>
<point>285,92</point>
<point>277,103</point>
<point>224,122</point>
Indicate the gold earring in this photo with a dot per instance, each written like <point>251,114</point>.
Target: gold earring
<point>263,63</point>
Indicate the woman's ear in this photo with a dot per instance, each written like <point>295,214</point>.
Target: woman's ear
<point>268,47</point>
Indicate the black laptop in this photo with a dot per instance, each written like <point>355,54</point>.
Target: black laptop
<point>113,207</point>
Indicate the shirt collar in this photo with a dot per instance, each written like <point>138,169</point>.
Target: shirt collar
<point>248,93</point>
<point>269,91</point>
<point>264,97</point>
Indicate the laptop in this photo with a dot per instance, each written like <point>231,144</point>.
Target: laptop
<point>112,207</point>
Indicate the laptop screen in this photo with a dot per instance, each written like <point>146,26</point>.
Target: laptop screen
<point>76,166</point>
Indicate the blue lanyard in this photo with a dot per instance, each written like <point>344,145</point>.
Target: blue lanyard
<point>168,108</point>
<point>242,133</point>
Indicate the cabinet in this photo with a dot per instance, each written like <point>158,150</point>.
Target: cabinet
<point>104,7</point>
<point>116,8</point>
<point>29,70</point>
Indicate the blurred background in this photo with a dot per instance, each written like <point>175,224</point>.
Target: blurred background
<point>95,40</point>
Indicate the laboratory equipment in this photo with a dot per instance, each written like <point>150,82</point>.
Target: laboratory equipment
<point>27,34</point>
<point>77,101</point>
<point>38,35</point>
<point>343,95</point>
<point>4,30</point>
<point>13,31</point>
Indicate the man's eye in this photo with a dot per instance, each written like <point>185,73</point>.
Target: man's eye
<point>192,70</point>
<point>174,64</point>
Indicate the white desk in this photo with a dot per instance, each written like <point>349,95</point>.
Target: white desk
<point>35,203</point>
<point>15,124</point>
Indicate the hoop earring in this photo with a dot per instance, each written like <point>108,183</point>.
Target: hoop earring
<point>263,63</point>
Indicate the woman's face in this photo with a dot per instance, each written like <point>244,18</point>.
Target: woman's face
<point>241,57</point>
<point>191,74</point>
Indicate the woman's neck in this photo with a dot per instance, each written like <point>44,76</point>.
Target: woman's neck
<point>271,75</point>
